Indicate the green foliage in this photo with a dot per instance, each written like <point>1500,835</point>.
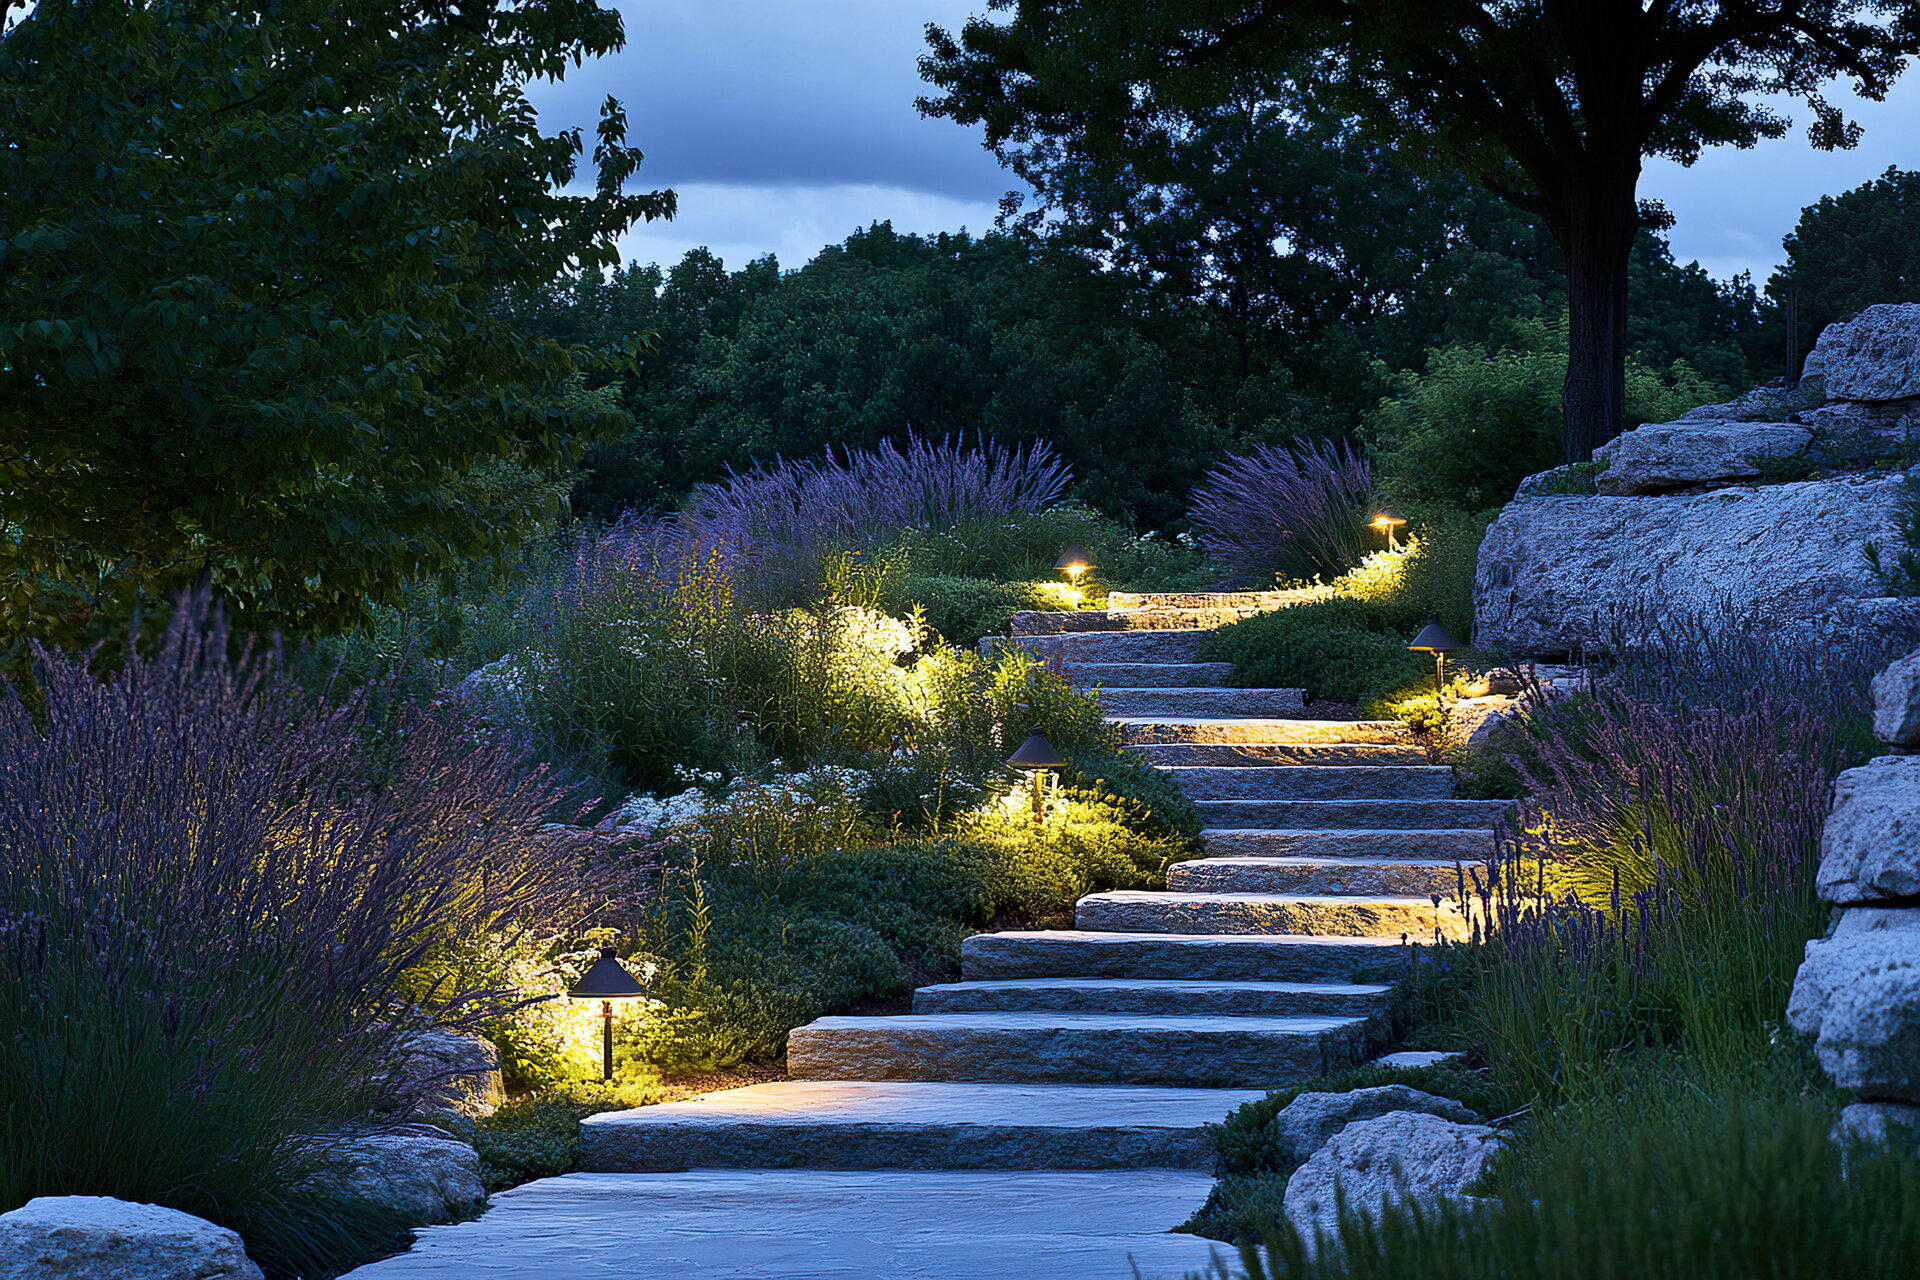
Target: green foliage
<point>254,336</point>
<point>1898,569</point>
<point>1039,870</point>
<point>960,610</point>
<point>1668,1183</point>
<point>528,1137</point>
<point>1465,431</point>
<point>1846,253</point>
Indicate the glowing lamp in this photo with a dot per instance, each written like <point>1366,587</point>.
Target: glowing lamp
<point>1074,561</point>
<point>1433,639</point>
<point>1386,521</point>
<point>607,980</point>
<point>1036,755</point>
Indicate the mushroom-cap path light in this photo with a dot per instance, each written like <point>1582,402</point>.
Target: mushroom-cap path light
<point>607,980</point>
<point>1036,755</point>
<point>1433,639</point>
<point>1386,520</point>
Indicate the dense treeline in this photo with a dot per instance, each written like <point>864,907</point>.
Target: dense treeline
<point>1141,380</point>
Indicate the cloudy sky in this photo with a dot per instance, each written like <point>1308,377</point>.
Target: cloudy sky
<point>784,125</point>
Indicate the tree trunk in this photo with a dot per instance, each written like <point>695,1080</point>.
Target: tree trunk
<point>1597,241</point>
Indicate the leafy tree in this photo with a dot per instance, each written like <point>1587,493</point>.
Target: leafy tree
<point>1551,105</point>
<point>1848,252</point>
<point>250,277</point>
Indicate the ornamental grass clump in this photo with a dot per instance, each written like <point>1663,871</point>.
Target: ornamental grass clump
<point>1286,512</point>
<point>220,916</point>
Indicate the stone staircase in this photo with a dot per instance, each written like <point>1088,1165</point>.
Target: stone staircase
<point>1328,847</point>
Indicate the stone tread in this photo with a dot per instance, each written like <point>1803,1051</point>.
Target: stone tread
<point>1394,814</point>
<point>1312,781</point>
<point>1116,701</point>
<point>1151,675</point>
<point>1145,729</point>
<point>1245,754</point>
<point>1401,877</point>
<point>902,1124</point>
<point>1149,995</point>
<point>1312,915</point>
<point>1180,646</point>
<point>1467,844</point>
<point>1085,1048</point>
<point>1078,953</point>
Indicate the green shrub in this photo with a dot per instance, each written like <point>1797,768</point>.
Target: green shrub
<point>1345,650</point>
<point>1040,870</point>
<point>961,610</point>
<point>1472,425</point>
<point>1671,1184</point>
<point>528,1137</point>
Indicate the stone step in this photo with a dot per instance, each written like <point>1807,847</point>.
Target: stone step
<point>1154,996</point>
<point>1150,675</point>
<point>1470,845</point>
<point>1230,754</point>
<point>1313,781</point>
<point>1078,1048</point>
<point>1198,702</point>
<point>1106,646</point>
<point>1244,601</point>
<point>1338,815</point>
<point>1277,957</point>
<point>819,1124</point>
<point>1144,729</point>
<point>1082,621</point>
<point>1343,916</point>
<point>1390,877</point>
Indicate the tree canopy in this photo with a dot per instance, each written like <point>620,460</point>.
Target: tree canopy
<point>1852,250</point>
<point>252,267</point>
<point>1551,105</point>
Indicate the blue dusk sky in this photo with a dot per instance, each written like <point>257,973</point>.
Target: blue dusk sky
<point>784,125</point>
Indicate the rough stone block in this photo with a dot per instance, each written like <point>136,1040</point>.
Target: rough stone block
<point>1398,1157</point>
<point>1858,994</point>
<point>1665,456</point>
<point>1873,356</point>
<point>100,1238</point>
<point>1878,1124</point>
<point>1870,846</point>
<point>1896,703</point>
<point>1304,1125</point>
<point>426,1177</point>
<point>460,1073</point>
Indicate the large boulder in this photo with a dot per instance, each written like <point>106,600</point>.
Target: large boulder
<point>426,1177</point>
<point>460,1074</point>
<point>1858,993</point>
<point>1393,1159</point>
<point>1896,703</point>
<point>100,1238</point>
<point>1304,1125</point>
<point>1870,847</point>
<point>1661,457</point>
<point>1554,570</point>
<point>1874,356</point>
<point>1875,427</point>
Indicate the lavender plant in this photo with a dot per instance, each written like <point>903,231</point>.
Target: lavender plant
<point>1288,511</point>
<point>218,908</point>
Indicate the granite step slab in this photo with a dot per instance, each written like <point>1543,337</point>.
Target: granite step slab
<point>1244,601</point>
<point>1081,953</point>
<point>1106,646</point>
<point>1150,675</point>
<point>1198,701</point>
<point>1245,754</point>
<point>1347,815</point>
<point>901,1124</point>
<point>1197,1051</point>
<point>1222,729</point>
<point>1316,915</point>
<point>1312,781</point>
<point>1470,845</point>
<point>824,1224</point>
<point>1389,877</point>
<point>1154,996</point>
<point>1049,622</point>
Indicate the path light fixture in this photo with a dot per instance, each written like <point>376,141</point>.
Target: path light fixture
<point>1074,561</point>
<point>1036,755</point>
<point>1433,639</point>
<point>1386,520</point>
<point>607,980</point>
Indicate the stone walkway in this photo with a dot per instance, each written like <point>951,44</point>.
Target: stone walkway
<point>1043,1116</point>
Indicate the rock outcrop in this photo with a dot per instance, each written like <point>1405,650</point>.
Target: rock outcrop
<point>460,1074</point>
<point>1858,991</point>
<point>100,1238</point>
<point>1873,357</point>
<point>1398,1157</point>
<point>1305,1125</point>
<point>1667,456</point>
<point>1555,572</point>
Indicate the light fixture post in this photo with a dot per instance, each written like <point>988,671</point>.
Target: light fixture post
<point>1433,638</point>
<point>1036,755</point>
<point>607,980</point>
